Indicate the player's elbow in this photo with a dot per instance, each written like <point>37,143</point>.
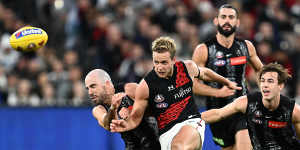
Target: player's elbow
<point>205,117</point>
<point>211,116</point>
<point>106,126</point>
<point>135,121</point>
<point>207,74</point>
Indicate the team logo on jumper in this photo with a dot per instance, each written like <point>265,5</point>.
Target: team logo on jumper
<point>253,106</point>
<point>258,113</point>
<point>171,87</point>
<point>162,105</point>
<point>28,32</point>
<point>220,63</point>
<point>159,98</point>
<point>219,54</point>
<point>228,55</point>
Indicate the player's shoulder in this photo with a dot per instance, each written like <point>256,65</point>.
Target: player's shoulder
<point>296,113</point>
<point>241,103</point>
<point>144,84</point>
<point>201,47</point>
<point>130,86</point>
<point>248,42</point>
<point>189,63</point>
<point>191,67</point>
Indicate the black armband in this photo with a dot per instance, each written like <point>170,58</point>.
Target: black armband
<point>198,76</point>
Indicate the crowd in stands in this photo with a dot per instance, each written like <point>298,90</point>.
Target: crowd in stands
<point>116,35</point>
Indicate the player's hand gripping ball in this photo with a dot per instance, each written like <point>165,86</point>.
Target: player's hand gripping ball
<point>28,39</point>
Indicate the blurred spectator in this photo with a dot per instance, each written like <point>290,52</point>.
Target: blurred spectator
<point>297,97</point>
<point>265,32</point>
<point>141,36</point>
<point>109,52</point>
<point>207,12</point>
<point>48,95</point>
<point>70,59</point>
<point>42,80</point>
<point>8,56</point>
<point>282,58</point>
<point>125,18</point>
<point>57,75</point>
<point>65,89</point>
<point>264,51</point>
<point>129,70</point>
<point>247,26</point>
<point>168,15</point>
<point>186,38</point>
<point>3,86</point>
<point>23,96</point>
<point>21,9</point>
<point>79,97</point>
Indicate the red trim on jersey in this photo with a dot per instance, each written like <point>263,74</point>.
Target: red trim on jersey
<point>276,124</point>
<point>181,77</point>
<point>130,108</point>
<point>238,60</point>
<point>172,113</point>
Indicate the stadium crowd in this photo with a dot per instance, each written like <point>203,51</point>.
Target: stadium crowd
<point>116,35</point>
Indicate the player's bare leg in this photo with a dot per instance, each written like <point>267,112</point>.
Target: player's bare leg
<point>188,138</point>
<point>242,140</point>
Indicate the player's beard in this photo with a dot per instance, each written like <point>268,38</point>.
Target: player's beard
<point>226,33</point>
<point>104,98</point>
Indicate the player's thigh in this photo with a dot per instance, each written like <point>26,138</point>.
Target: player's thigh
<point>188,138</point>
<point>242,140</point>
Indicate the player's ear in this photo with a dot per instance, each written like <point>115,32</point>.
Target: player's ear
<point>281,86</point>
<point>238,23</point>
<point>109,86</point>
<point>216,21</point>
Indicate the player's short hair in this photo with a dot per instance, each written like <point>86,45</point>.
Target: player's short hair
<point>283,74</point>
<point>103,76</point>
<point>230,7</point>
<point>164,44</point>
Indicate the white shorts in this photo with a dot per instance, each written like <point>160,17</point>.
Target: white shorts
<point>166,138</point>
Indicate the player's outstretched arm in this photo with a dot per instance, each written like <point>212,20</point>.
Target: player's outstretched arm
<point>200,57</point>
<point>130,89</point>
<point>296,119</point>
<point>207,74</point>
<point>136,115</point>
<point>205,90</point>
<point>254,59</point>
<point>104,117</point>
<point>215,115</point>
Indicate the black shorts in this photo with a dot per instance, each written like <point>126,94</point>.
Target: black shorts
<point>224,131</point>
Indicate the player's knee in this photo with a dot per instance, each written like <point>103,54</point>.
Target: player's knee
<point>177,145</point>
<point>181,145</point>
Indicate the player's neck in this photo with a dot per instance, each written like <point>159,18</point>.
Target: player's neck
<point>225,41</point>
<point>272,104</point>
